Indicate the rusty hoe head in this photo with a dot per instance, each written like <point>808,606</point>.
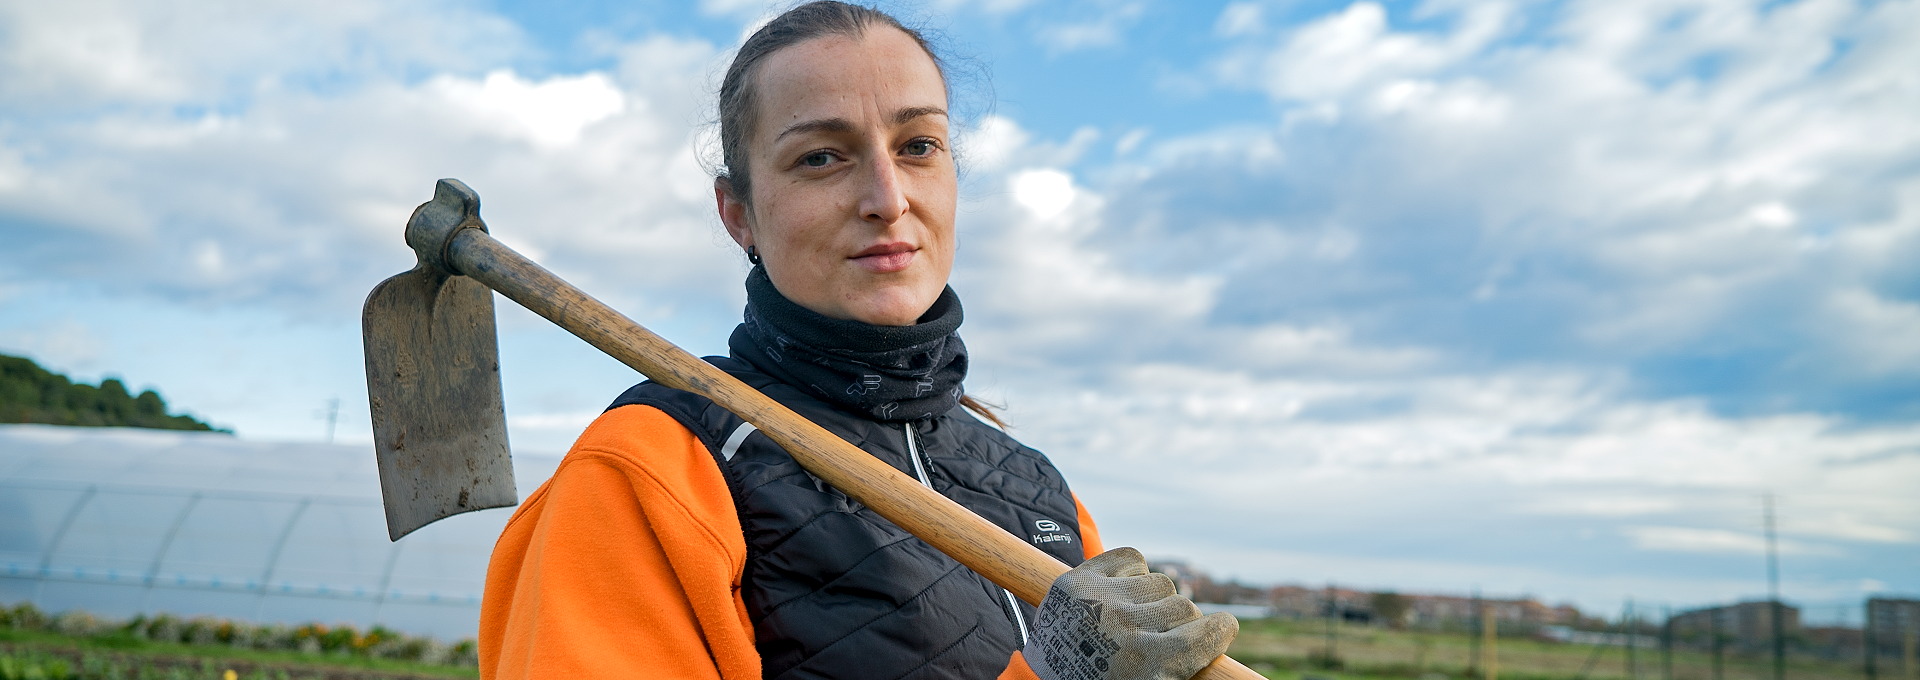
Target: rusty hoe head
<point>433,377</point>
<point>431,229</point>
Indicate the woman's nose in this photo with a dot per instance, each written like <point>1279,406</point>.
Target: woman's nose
<point>886,198</point>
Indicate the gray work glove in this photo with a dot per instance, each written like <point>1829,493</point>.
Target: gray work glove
<point>1111,619</point>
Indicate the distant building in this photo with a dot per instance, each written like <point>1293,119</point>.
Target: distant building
<point>1568,635</point>
<point>1243,612</point>
<point>1442,609</point>
<point>1300,602</point>
<point>1835,643</point>
<point>1296,602</point>
<point>1892,624</point>
<point>1747,625</point>
<point>1195,585</point>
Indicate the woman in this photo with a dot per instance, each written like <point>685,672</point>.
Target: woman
<point>674,541</point>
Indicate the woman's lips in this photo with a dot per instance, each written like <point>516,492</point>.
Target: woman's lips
<point>885,258</point>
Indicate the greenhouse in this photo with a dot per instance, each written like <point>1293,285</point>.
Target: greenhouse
<point>119,522</point>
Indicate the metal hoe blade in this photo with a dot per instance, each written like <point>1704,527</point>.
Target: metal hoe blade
<point>433,378</point>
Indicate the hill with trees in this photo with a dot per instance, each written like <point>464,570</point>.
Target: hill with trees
<point>31,394</point>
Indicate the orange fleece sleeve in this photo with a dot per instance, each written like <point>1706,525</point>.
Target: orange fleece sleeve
<point>1017,668</point>
<point>1090,544</point>
<point>626,564</point>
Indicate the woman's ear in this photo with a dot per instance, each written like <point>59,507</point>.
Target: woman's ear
<point>733,212</point>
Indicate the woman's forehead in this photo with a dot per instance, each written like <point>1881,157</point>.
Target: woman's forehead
<point>868,79</point>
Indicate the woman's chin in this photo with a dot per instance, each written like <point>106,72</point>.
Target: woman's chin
<point>890,308</point>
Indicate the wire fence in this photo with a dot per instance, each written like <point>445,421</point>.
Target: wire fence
<point>1734,642</point>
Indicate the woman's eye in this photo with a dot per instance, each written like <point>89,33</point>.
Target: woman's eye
<point>817,159</point>
<point>921,147</point>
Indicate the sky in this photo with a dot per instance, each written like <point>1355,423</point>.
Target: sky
<point>1533,298</point>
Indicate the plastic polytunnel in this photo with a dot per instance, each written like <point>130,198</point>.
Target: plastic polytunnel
<point>118,522</point>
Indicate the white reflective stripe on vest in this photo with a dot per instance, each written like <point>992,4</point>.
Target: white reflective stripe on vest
<point>734,440</point>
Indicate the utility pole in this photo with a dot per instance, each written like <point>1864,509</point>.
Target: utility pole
<point>1719,643</point>
<point>1333,626</point>
<point>1490,630</point>
<point>333,416</point>
<point>1632,626</point>
<point>1773,589</point>
<point>1869,643</point>
<point>1473,641</point>
<point>1666,643</point>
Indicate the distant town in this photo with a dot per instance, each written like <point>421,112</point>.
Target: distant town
<point>1891,630</point>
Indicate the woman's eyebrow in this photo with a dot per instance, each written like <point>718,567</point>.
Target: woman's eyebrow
<point>817,125</point>
<point>842,125</point>
<point>902,116</point>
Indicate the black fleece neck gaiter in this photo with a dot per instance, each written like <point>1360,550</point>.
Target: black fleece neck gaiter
<point>890,373</point>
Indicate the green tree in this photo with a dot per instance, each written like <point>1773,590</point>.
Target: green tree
<point>149,406</point>
<point>31,394</point>
<point>1392,608</point>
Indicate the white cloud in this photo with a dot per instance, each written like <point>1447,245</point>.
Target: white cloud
<point>1109,23</point>
<point>1036,263</point>
<point>747,7</point>
<point>1606,506</point>
<point>1850,527</point>
<point>550,113</point>
<point>299,194</point>
<point>1241,18</point>
<point>1773,214</point>
<point>1518,462</point>
<point>1336,56</point>
<point>993,145</point>
<point>1665,176</point>
<point>998,145</point>
<point>1325,349</point>
<point>1045,193</point>
<point>79,54</point>
<point>1881,335</point>
<point>1686,539</point>
<point>989,6</point>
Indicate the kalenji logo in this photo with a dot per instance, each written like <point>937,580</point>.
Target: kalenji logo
<point>1047,528</point>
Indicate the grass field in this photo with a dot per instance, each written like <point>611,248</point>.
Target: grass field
<point>40,655</point>
<point>1295,649</point>
<point>1290,650</point>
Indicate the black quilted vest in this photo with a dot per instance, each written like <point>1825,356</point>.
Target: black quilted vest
<point>836,591</point>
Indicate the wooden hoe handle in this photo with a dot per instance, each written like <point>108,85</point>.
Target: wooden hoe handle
<point>980,545</point>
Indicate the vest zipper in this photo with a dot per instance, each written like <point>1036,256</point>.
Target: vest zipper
<point>920,470</point>
<point>913,453</point>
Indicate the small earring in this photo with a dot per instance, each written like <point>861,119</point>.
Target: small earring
<point>753,255</point>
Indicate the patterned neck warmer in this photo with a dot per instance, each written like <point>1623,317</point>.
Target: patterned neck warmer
<point>888,373</point>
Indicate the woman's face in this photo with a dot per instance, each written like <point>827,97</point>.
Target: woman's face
<point>853,179</point>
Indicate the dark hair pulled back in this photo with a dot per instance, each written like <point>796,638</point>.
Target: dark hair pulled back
<point>738,103</point>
